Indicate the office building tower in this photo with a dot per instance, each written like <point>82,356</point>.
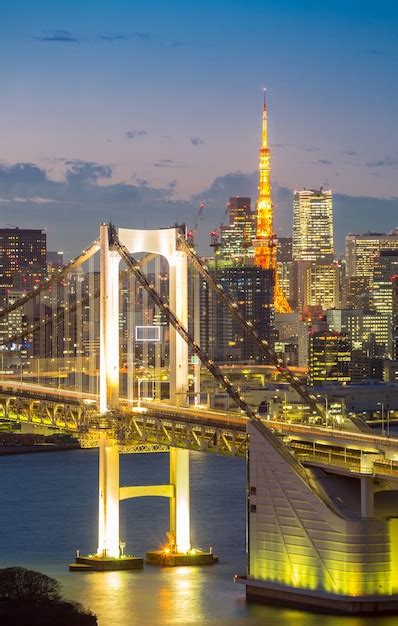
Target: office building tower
<point>55,261</point>
<point>349,322</point>
<point>284,266</point>
<point>321,283</point>
<point>252,289</point>
<point>377,335</point>
<point>313,225</point>
<point>237,238</point>
<point>292,338</point>
<point>329,357</point>
<point>22,258</point>
<point>362,254</point>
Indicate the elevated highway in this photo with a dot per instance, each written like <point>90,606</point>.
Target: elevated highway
<point>157,426</point>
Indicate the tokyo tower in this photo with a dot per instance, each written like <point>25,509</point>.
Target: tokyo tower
<point>265,244</point>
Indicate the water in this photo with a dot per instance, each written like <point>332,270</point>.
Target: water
<point>48,505</point>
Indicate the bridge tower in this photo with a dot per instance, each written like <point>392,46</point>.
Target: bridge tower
<point>161,242</point>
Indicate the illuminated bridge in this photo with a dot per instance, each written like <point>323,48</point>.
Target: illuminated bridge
<point>322,501</point>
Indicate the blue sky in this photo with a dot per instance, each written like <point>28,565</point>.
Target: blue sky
<point>138,109</point>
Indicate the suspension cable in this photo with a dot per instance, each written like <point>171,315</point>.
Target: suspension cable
<point>134,266</point>
<point>51,280</point>
<point>262,344</point>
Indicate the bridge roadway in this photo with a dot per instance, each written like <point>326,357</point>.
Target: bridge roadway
<point>157,425</point>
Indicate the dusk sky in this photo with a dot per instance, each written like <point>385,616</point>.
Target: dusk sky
<point>139,110</point>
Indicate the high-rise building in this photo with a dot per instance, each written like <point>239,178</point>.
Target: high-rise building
<point>313,225</point>
<point>22,257</point>
<point>321,285</point>
<point>362,253</point>
<point>329,357</point>
<point>252,289</point>
<point>292,334</point>
<point>284,266</point>
<point>237,238</point>
<point>348,322</point>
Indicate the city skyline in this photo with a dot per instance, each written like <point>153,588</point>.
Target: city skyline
<point>106,131</point>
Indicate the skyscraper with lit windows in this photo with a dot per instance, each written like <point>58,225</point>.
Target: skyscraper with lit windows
<point>313,225</point>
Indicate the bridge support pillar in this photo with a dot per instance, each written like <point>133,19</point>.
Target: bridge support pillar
<point>178,297</point>
<point>367,497</point>
<point>109,323</point>
<point>108,522</point>
<point>180,503</point>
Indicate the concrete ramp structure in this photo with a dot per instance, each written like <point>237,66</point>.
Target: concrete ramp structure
<point>306,546</point>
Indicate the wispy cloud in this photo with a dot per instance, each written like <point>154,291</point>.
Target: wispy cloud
<point>374,51</point>
<point>132,134</point>
<point>142,35</point>
<point>350,152</point>
<point>113,37</point>
<point>197,141</point>
<point>311,148</point>
<point>387,162</point>
<point>61,36</point>
<point>324,162</point>
<point>164,163</point>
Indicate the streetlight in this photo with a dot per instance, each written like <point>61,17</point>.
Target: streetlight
<point>382,417</point>
<point>326,407</point>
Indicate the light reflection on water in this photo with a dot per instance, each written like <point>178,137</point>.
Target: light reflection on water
<point>48,509</point>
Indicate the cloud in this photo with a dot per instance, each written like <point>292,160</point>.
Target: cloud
<point>387,162</point>
<point>324,162</point>
<point>311,148</point>
<point>142,35</point>
<point>350,152</point>
<point>197,141</point>
<point>132,134</point>
<point>71,209</point>
<point>164,163</point>
<point>63,36</point>
<point>113,37</point>
<point>86,172</point>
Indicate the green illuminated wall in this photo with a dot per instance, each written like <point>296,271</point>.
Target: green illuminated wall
<point>298,538</point>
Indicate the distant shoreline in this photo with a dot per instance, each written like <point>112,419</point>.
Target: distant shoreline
<point>35,448</point>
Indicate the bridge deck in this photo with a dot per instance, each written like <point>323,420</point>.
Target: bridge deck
<point>157,426</point>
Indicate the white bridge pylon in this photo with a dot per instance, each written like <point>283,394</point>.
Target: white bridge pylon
<point>161,242</point>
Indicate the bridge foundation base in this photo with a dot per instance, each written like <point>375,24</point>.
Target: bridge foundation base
<point>317,601</point>
<point>170,559</point>
<point>100,564</point>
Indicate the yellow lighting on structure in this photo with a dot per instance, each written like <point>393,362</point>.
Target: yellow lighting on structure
<point>265,246</point>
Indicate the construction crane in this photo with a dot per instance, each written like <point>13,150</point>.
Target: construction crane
<point>191,234</point>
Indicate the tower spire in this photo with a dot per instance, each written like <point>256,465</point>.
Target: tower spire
<point>264,253</point>
<point>264,127</point>
<point>265,245</point>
